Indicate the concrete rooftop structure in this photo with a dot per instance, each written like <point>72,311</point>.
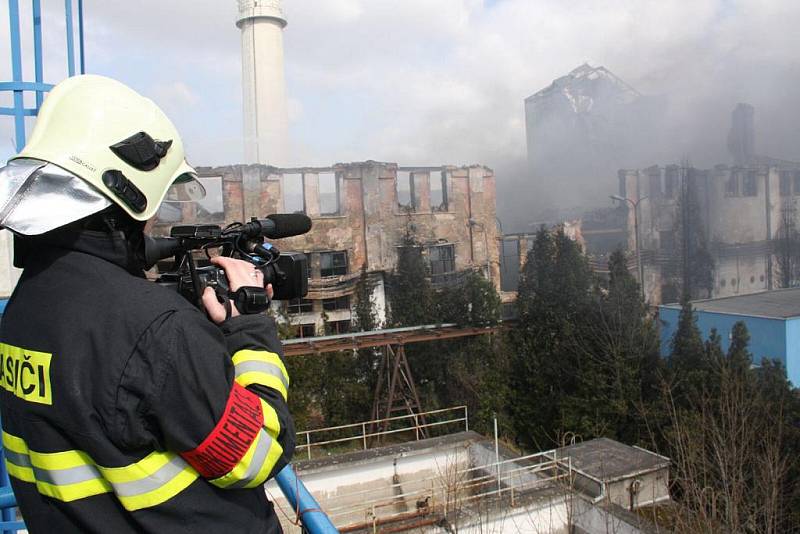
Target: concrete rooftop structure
<point>455,483</point>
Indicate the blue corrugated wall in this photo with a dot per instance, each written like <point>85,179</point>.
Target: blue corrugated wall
<point>776,339</point>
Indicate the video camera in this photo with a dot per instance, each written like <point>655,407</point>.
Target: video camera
<point>287,272</point>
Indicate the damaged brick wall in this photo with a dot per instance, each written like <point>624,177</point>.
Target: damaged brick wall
<point>370,222</point>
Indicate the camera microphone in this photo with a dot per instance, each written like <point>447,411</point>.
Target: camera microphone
<point>278,226</point>
<point>275,226</point>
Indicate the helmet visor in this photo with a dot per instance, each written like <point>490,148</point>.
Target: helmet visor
<point>185,188</point>
<point>37,196</point>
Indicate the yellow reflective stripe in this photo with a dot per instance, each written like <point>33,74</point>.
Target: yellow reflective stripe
<point>245,473</point>
<point>240,469</point>
<point>72,475</point>
<point>163,493</point>
<point>22,473</point>
<point>141,469</point>
<point>274,454</point>
<point>271,422</point>
<point>14,443</point>
<point>60,460</point>
<point>265,356</point>
<point>263,379</point>
<point>73,492</point>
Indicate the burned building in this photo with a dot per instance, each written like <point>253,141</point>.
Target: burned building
<point>583,127</point>
<point>361,213</point>
<point>725,231</point>
<point>742,218</point>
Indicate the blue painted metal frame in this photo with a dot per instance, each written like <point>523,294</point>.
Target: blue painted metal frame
<point>17,85</point>
<point>311,515</point>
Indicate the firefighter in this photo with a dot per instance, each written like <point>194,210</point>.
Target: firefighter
<point>124,408</point>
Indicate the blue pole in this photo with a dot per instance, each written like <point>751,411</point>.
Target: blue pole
<point>8,499</point>
<point>70,38</point>
<point>80,36</point>
<point>37,49</point>
<point>314,519</point>
<point>16,68</point>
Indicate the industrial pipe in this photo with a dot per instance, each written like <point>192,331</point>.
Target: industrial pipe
<point>311,515</point>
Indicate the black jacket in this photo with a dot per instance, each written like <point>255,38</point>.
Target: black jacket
<point>125,409</point>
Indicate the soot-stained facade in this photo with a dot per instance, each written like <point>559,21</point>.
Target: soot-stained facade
<point>361,213</point>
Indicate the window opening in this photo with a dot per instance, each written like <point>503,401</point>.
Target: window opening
<point>295,306</point>
<point>442,263</point>
<point>332,263</point>
<point>337,303</point>
<point>329,194</point>
<point>294,200</point>
<point>405,193</point>
<point>438,182</point>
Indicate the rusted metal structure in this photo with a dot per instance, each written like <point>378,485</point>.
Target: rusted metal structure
<point>395,390</point>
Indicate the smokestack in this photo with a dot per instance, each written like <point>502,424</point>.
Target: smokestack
<point>266,120</point>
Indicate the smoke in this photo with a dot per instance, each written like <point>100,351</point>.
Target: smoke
<point>421,82</point>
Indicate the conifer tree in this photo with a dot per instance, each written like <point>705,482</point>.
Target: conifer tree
<point>554,303</point>
<point>410,293</point>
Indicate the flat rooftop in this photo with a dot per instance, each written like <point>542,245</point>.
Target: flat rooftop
<point>777,304</point>
<point>608,460</point>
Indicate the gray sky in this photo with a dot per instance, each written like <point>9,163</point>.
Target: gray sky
<point>436,81</point>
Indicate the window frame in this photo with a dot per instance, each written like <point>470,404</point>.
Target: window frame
<point>407,178</point>
<point>750,184</point>
<point>338,327</point>
<point>444,205</point>
<point>300,306</point>
<point>732,188</point>
<point>337,184</point>
<point>333,269</point>
<point>302,192</point>
<point>336,303</point>
<point>438,278</point>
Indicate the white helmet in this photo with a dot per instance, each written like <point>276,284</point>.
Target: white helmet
<point>96,142</point>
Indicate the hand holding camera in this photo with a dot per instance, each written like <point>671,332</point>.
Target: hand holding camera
<point>239,274</point>
<point>245,275</point>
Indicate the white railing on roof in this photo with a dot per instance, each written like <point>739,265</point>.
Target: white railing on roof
<point>363,433</point>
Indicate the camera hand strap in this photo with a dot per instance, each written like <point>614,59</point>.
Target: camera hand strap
<point>250,299</point>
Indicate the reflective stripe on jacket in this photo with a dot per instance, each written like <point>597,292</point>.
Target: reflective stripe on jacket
<point>125,409</point>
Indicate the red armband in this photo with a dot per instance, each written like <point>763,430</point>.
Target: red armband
<point>232,436</point>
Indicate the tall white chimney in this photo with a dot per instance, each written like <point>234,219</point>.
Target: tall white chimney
<point>266,120</point>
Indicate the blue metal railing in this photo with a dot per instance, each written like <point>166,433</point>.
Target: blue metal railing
<point>314,520</point>
<point>17,85</point>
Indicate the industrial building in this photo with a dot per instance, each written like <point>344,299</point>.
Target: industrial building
<point>772,318</point>
<point>581,129</point>
<point>464,482</point>
<point>745,214</point>
<point>741,213</point>
<point>361,213</point>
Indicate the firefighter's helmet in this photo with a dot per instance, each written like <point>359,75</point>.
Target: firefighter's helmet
<point>96,142</point>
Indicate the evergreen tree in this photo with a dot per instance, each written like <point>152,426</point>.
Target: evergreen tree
<point>739,357</point>
<point>554,303</point>
<point>621,374</point>
<point>365,317</point>
<point>695,271</point>
<point>410,294</point>
<point>687,358</point>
